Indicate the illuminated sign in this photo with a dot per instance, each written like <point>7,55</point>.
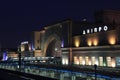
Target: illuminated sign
<point>93,30</point>
<point>25,42</point>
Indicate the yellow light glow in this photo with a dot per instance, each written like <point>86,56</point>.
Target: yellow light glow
<point>112,39</point>
<point>22,48</point>
<point>77,62</point>
<point>83,62</point>
<point>95,42</point>
<point>77,42</point>
<point>113,64</point>
<point>89,42</point>
<point>90,63</point>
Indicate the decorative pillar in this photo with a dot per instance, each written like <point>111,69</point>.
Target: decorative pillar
<point>70,56</point>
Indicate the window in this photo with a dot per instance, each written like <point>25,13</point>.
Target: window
<point>80,60</point>
<point>86,60</point>
<point>108,59</point>
<point>100,61</point>
<point>93,60</point>
<point>76,61</point>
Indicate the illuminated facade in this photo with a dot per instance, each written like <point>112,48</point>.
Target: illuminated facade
<point>26,49</point>
<point>8,54</point>
<point>97,43</point>
<point>82,43</point>
<point>101,48</point>
<point>36,42</point>
<point>48,41</point>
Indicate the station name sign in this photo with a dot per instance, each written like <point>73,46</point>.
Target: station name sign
<point>93,30</point>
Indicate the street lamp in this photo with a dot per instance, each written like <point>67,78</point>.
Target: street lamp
<point>19,57</point>
<point>95,66</point>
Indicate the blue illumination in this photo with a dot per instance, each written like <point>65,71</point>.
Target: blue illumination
<point>5,56</point>
<point>32,47</point>
<point>62,45</point>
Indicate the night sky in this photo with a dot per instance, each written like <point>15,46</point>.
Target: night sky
<point>19,17</point>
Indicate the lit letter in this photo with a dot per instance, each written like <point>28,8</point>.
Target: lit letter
<point>105,28</point>
<point>100,28</point>
<point>95,29</point>
<point>88,31</point>
<point>91,30</point>
<point>83,31</point>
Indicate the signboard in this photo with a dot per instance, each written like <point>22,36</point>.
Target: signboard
<point>25,42</point>
<point>93,30</point>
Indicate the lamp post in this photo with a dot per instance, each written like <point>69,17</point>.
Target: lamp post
<point>95,66</point>
<point>19,57</point>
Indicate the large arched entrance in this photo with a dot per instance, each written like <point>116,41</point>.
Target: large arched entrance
<point>54,49</point>
<point>53,46</point>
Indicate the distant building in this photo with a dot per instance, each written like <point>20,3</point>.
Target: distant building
<point>8,54</point>
<point>36,43</point>
<point>12,54</point>
<point>26,49</point>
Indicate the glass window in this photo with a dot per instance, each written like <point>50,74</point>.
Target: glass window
<point>86,60</point>
<point>80,60</point>
<point>93,60</point>
<point>76,61</point>
<point>100,61</point>
<point>108,59</point>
